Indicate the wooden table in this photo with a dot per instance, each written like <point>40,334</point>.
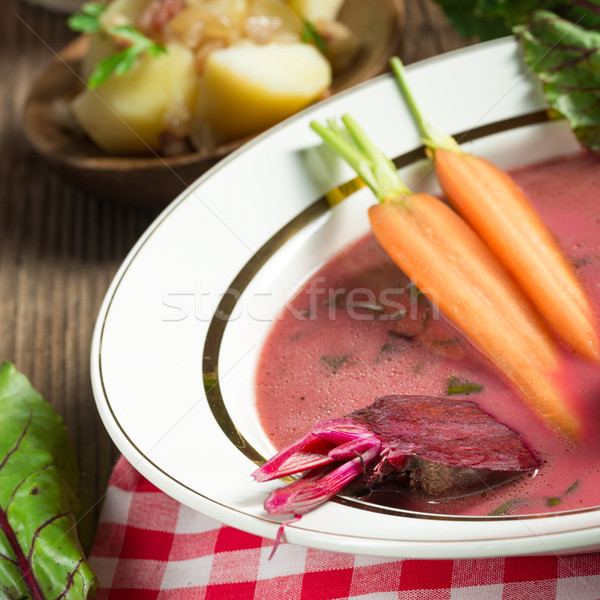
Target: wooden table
<point>59,248</point>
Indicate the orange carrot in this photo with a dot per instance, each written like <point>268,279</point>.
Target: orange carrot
<point>497,209</point>
<point>451,265</point>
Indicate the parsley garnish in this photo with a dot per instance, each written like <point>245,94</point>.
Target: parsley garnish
<point>414,292</point>
<point>462,386</point>
<point>309,33</point>
<point>335,363</point>
<point>556,500</point>
<point>88,21</point>
<point>572,487</point>
<point>507,507</point>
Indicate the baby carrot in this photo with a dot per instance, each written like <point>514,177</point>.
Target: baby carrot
<point>452,266</point>
<point>497,209</point>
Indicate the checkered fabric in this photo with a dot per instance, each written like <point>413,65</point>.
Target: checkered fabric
<point>150,547</point>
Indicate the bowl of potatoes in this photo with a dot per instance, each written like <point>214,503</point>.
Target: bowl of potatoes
<point>155,92</point>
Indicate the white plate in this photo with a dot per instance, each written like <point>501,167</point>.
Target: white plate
<point>198,293</point>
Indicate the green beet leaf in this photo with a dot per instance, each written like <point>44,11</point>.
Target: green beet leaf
<point>40,555</point>
<point>488,19</point>
<point>585,13</point>
<point>566,59</point>
<point>561,42</point>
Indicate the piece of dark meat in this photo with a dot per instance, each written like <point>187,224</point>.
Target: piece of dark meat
<point>436,447</point>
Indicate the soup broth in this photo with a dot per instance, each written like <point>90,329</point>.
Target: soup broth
<point>359,329</point>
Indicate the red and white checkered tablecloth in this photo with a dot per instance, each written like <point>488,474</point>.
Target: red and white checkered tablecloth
<point>150,547</point>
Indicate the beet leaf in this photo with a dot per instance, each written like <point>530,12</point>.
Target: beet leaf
<point>561,44</point>
<point>40,555</point>
<point>566,59</point>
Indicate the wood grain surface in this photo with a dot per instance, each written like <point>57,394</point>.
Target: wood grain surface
<point>59,248</point>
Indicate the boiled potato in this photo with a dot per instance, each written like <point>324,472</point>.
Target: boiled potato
<point>248,88</point>
<point>275,15</point>
<point>127,113</point>
<point>233,10</point>
<point>316,10</point>
<point>122,12</point>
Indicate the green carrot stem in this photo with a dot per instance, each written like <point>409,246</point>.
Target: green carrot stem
<point>432,138</point>
<point>355,147</point>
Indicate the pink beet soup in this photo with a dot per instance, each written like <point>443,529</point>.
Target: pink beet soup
<point>358,330</point>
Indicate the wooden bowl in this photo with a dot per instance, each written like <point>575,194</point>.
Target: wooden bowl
<point>155,180</point>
